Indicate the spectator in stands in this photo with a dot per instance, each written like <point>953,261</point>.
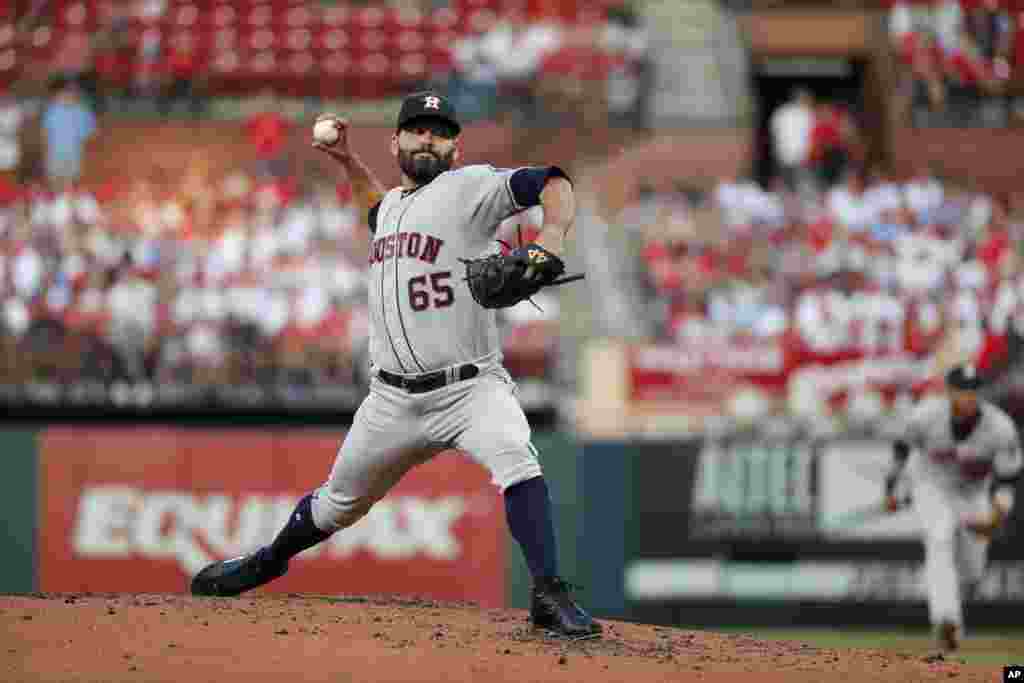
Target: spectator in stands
<point>928,89</point>
<point>626,41</point>
<point>884,194</point>
<point>850,205</point>
<point>791,127</point>
<point>112,54</point>
<point>13,113</point>
<point>182,75</point>
<point>966,79</point>
<point>132,302</point>
<point>923,193</point>
<point>473,82</point>
<point>834,142</point>
<point>147,73</point>
<point>516,47</point>
<point>268,133</point>
<point>67,124</point>
<point>74,61</point>
<point>990,28</point>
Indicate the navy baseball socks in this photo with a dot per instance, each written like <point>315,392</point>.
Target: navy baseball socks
<point>528,509</point>
<point>233,577</point>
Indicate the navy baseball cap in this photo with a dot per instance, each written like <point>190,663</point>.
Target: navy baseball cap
<point>964,378</point>
<point>428,104</point>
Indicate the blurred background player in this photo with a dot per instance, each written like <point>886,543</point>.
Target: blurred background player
<point>965,465</point>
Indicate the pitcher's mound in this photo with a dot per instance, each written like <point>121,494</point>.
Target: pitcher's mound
<point>293,639</point>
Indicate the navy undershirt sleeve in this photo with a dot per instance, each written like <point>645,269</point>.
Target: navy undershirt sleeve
<point>526,184</point>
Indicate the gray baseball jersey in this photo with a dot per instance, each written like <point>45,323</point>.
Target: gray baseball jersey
<point>422,315</point>
<point>424,319</point>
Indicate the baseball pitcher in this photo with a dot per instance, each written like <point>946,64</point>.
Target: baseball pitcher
<point>437,375</point>
<point>962,459</point>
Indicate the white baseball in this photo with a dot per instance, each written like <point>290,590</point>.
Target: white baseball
<point>325,132</point>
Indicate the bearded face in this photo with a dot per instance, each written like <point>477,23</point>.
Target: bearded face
<point>423,163</point>
<point>426,148</point>
<point>965,404</point>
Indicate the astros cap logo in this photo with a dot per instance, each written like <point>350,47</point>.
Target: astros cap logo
<point>431,102</point>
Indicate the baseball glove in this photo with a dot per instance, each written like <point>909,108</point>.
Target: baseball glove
<point>986,525</point>
<point>503,280</point>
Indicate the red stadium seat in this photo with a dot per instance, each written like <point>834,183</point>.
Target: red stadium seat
<point>257,16</point>
<point>332,40</point>
<point>225,39</point>
<point>367,18</point>
<point>8,60</point>
<point>439,61</point>
<point>299,39</point>
<point>6,34</point>
<point>413,68</point>
<point>373,76</point>
<point>302,72</point>
<point>80,16</point>
<point>261,69</point>
<point>336,16</point>
<point>42,44</point>
<point>409,19</point>
<point>224,16</point>
<point>185,16</point>
<point>443,41</point>
<point>480,21</point>
<point>299,17</point>
<point>261,39</point>
<point>301,63</point>
<point>442,21</point>
<point>336,68</point>
<point>410,41</point>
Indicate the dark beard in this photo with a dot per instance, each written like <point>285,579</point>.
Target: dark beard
<point>422,169</point>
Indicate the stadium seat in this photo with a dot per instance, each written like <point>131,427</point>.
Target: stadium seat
<point>441,21</point>
<point>261,40</point>
<point>299,17</point>
<point>224,16</point>
<point>185,16</point>
<point>336,74</point>
<point>336,16</point>
<point>299,39</point>
<point>331,40</point>
<point>257,16</point>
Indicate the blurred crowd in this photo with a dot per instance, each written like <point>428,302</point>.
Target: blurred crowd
<point>874,267</point>
<point>960,61</point>
<point>525,67</point>
<point>250,279</point>
<point>531,60</point>
<point>194,277</point>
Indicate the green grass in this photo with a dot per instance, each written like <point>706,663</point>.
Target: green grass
<point>982,647</point>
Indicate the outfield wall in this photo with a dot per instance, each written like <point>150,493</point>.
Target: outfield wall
<point>734,530</point>
<point>751,531</point>
<point>141,509</point>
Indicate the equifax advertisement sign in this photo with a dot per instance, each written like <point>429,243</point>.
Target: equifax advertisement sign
<point>143,510</point>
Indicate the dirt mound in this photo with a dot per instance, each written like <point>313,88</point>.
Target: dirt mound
<point>113,638</point>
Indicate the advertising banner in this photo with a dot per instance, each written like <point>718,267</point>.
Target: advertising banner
<point>755,529</point>
<point>142,510</point>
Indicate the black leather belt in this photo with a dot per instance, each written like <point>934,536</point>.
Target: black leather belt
<point>419,384</point>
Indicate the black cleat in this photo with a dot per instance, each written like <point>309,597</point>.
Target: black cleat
<point>554,611</point>
<point>233,577</point>
<point>948,637</point>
